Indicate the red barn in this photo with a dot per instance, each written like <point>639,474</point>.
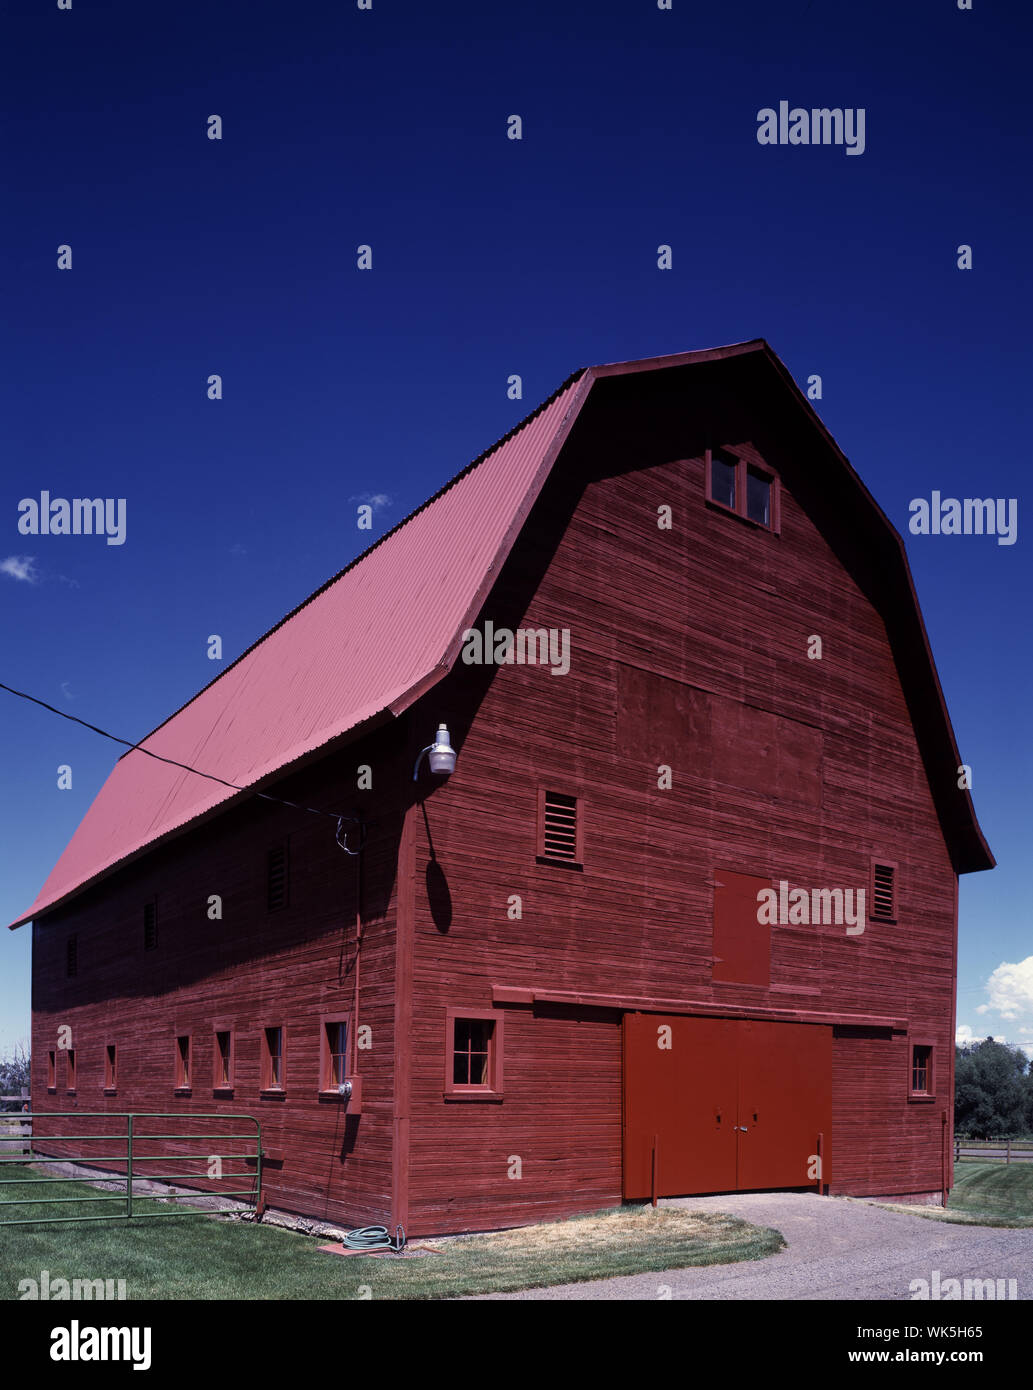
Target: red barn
<point>682,919</point>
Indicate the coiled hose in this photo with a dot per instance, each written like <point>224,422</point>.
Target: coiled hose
<point>374,1238</point>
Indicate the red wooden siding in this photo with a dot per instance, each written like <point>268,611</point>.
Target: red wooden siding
<point>708,755</point>
<point>291,967</point>
<point>689,649</point>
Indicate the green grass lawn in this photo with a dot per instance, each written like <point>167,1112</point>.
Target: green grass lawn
<point>985,1194</point>
<point>207,1257</point>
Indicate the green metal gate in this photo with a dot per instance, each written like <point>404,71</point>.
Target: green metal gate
<point>131,1164</point>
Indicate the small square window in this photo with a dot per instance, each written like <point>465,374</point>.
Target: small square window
<point>473,1054</point>
<point>471,1047</point>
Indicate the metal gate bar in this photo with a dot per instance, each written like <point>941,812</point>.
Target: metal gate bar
<point>132,1160</point>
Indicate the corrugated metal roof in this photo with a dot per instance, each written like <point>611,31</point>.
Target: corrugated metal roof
<point>381,632</point>
<point>364,643</point>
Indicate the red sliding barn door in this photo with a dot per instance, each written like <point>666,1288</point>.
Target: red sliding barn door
<point>785,1102</point>
<point>679,1086</point>
<point>716,1105</point>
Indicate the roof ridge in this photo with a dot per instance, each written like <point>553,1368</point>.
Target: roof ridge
<point>328,583</point>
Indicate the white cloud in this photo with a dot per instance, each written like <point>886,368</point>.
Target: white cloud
<point>376,500</point>
<point>21,567</point>
<point>1010,990</point>
<point>965,1035</point>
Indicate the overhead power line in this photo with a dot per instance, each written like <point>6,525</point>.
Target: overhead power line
<point>173,762</point>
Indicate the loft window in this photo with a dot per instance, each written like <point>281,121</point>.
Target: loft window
<point>150,926</point>
<point>183,1063</point>
<point>723,472</point>
<point>276,877</point>
<point>72,956</point>
<point>883,890</point>
<point>922,1079</point>
<point>473,1054</point>
<point>222,1079</point>
<point>110,1068</point>
<point>272,1059</point>
<point>560,836</point>
<point>758,497</point>
<point>333,1068</point>
<point>748,489</point>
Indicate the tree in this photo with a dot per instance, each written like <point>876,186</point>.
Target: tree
<point>14,1075</point>
<point>992,1090</point>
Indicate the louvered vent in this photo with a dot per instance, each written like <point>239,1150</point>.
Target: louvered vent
<point>560,826</point>
<point>150,926</point>
<point>276,877</point>
<point>883,904</point>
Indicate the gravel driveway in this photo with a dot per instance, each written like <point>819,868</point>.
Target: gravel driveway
<point>838,1248</point>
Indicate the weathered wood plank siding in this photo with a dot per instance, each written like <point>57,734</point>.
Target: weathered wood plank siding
<point>254,969</point>
<point>689,649</point>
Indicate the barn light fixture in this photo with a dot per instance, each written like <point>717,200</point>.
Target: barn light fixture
<point>442,755</point>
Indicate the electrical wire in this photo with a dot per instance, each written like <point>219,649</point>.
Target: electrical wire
<point>265,796</point>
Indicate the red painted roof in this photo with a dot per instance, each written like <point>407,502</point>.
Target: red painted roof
<point>366,642</point>
<point>386,628</point>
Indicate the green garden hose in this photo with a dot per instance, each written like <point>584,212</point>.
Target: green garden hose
<point>374,1238</point>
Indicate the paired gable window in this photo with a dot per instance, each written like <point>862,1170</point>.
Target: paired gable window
<point>748,489</point>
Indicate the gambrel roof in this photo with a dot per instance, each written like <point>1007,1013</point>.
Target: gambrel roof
<point>385,629</point>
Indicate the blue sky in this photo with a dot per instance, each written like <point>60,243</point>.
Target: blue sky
<point>491,257</point>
